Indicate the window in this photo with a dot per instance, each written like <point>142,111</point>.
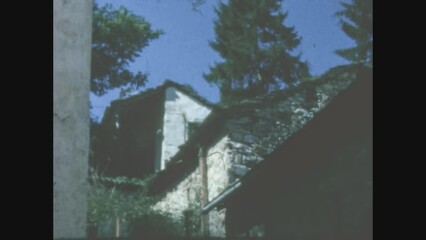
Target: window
<point>192,128</point>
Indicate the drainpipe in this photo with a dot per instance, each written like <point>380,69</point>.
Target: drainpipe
<point>117,227</point>
<point>220,198</point>
<point>204,192</point>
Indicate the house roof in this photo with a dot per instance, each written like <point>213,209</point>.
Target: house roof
<point>257,126</point>
<point>127,143</point>
<point>187,89</point>
<point>347,118</point>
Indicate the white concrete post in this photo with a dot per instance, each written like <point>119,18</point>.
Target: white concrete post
<point>71,84</point>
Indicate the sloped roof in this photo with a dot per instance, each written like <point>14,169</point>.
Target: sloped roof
<point>257,126</point>
<point>126,146</point>
<point>187,89</point>
<point>346,119</point>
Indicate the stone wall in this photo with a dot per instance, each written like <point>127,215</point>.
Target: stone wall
<point>187,193</point>
<point>218,164</point>
<point>179,110</point>
<point>71,83</point>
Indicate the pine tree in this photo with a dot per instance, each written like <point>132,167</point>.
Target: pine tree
<point>357,22</point>
<point>256,48</point>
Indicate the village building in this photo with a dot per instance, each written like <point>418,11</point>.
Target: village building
<point>142,132</point>
<point>252,169</point>
<point>234,140</point>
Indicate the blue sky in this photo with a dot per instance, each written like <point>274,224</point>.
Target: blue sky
<point>183,54</point>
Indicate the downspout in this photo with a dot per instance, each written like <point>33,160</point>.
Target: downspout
<point>185,126</point>
<point>204,192</point>
<point>213,203</point>
<point>117,227</point>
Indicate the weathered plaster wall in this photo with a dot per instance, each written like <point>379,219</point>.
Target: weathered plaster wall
<point>188,191</point>
<point>179,109</point>
<point>71,83</point>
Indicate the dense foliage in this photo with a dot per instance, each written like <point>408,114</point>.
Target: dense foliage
<point>109,199</point>
<point>119,36</point>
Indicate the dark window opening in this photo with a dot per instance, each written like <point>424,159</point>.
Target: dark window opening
<point>192,128</point>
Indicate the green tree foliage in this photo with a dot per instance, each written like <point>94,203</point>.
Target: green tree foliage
<point>126,199</point>
<point>356,19</point>
<point>118,38</point>
<point>257,50</point>
<point>107,199</point>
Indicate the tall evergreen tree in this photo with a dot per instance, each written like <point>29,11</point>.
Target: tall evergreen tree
<point>256,48</point>
<point>356,19</point>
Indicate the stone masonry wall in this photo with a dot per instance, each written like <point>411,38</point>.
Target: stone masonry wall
<point>218,164</point>
<point>187,193</point>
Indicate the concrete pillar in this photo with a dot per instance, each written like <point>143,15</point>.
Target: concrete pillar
<point>71,84</point>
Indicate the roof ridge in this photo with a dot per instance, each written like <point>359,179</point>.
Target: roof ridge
<point>282,94</point>
<point>186,88</point>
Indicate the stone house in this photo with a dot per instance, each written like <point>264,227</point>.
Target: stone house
<point>234,140</point>
<point>202,154</point>
<point>142,132</point>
